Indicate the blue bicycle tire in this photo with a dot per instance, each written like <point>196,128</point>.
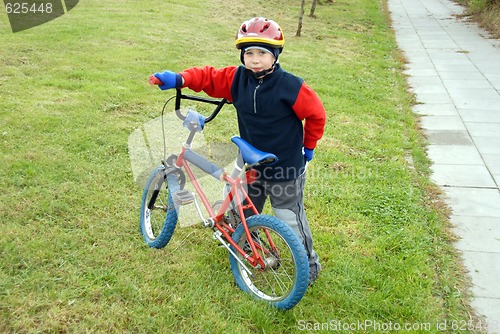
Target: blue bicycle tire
<point>288,241</point>
<point>167,184</point>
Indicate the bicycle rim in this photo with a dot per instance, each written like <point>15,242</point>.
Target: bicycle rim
<point>158,215</point>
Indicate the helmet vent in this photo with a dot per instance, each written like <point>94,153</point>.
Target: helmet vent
<point>261,31</point>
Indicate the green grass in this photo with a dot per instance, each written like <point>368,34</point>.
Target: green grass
<point>71,255</point>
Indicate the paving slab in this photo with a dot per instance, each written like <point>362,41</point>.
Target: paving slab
<point>473,202</point>
<point>416,81</point>
<point>479,115</point>
<point>449,175</point>
<point>484,269</point>
<point>494,79</point>
<point>457,83</point>
<point>433,97</point>
<point>474,96</point>
<point>439,109</point>
<point>489,306</point>
<point>419,63</point>
<point>472,238</point>
<point>487,145</point>
<point>421,72</point>
<point>454,71</point>
<point>456,75</point>
<point>491,130</point>
<point>438,88</point>
<point>451,137</point>
<point>493,162</point>
<point>454,154</point>
<point>496,177</point>
<point>442,123</point>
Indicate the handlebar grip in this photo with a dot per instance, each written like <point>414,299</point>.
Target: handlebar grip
<point>155,81</point>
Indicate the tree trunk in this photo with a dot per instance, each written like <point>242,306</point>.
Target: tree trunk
<point>313,8</point>
<point>299,28</point>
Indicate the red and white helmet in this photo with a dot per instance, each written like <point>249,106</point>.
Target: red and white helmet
<point>260,31</point>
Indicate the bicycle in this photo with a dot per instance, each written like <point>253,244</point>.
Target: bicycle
<point>267,258</point>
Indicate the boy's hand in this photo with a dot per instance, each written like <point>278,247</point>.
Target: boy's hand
<point>308,154</point>
<point>169,80</point>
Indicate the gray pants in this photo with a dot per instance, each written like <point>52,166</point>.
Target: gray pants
<point>287,201</point>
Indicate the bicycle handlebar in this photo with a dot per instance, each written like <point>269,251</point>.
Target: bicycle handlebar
<point>179,96</point>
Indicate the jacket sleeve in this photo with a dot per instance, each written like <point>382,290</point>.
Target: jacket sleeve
<point>214,82</point>
<point>309,107</point>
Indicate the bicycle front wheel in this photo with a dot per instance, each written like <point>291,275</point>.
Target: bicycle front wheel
<point>284,280</point>
<point>158,214</point>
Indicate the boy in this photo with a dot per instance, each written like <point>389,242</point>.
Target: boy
<point>271,105</point>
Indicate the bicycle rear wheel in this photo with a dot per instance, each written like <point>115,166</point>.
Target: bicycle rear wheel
<point>158,214</point>
<point>284,280</point>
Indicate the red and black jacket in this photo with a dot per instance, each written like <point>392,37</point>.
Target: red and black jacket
<point>270,112</point>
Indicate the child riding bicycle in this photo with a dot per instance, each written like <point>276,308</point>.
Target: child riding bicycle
<point>271,106</point>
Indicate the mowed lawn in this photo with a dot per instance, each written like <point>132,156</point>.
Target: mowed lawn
<point>72,259</point>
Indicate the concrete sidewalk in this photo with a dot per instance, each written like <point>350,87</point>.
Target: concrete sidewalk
<point>454,71</point>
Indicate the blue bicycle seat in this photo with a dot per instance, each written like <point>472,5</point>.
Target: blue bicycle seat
<point>251,155</point>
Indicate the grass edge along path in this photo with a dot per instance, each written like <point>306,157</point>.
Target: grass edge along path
<point>486,13</point>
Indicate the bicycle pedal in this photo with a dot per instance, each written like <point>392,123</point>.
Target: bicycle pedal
<point>183,197</point>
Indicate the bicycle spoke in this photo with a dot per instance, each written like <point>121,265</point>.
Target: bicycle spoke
<point>270,282</point>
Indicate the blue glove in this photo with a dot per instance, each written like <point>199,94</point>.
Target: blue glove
<point>169,79</point>
<point>308,154</point>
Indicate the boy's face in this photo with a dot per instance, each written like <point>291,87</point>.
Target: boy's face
<point>258,60</point>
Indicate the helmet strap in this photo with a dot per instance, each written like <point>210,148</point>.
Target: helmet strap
<point>261,74</point>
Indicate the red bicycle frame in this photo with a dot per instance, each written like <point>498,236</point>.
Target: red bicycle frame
<point>239,195</point>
